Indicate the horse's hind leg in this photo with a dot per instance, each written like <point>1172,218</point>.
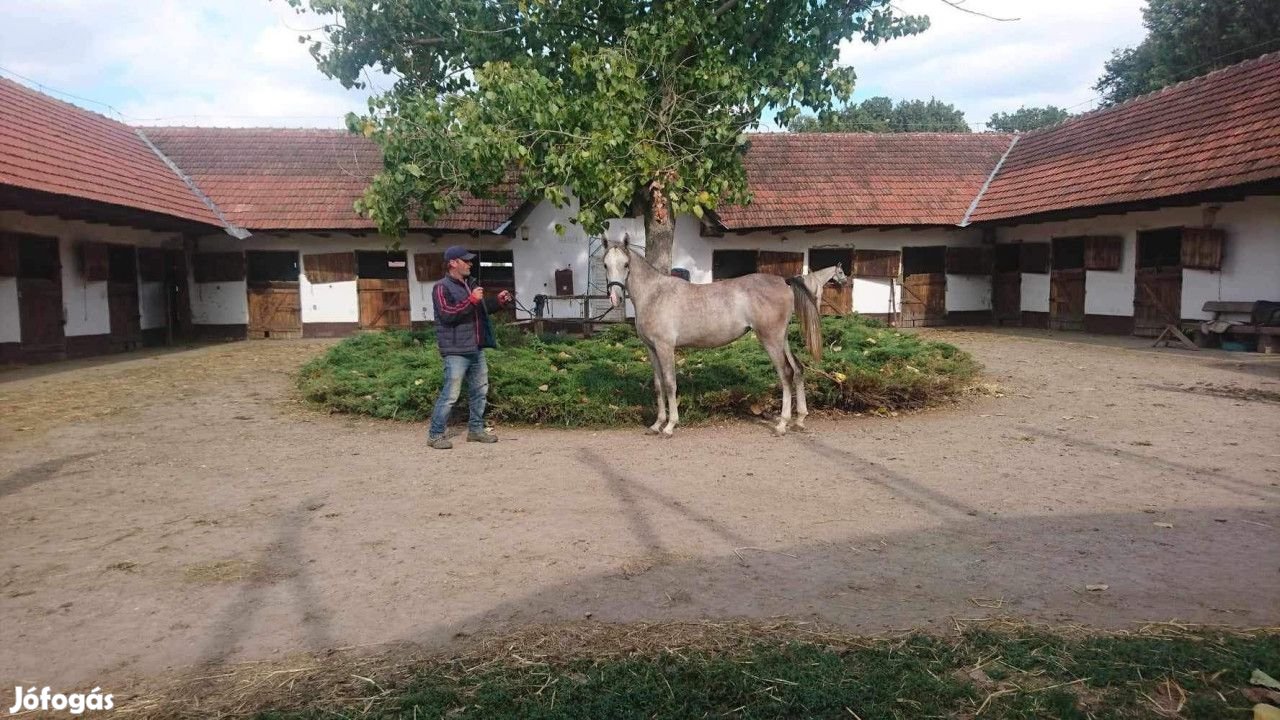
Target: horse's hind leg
<point>797,373</point>
<point>777,350</point>
<point>659,389</point>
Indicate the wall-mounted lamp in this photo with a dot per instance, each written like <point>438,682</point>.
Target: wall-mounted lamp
<point>524,233</point>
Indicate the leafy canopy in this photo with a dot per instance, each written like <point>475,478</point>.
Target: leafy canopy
<point>880,115</point>
<point>1026,119</point>
<point>1189,38</point>
<point>624,103</point>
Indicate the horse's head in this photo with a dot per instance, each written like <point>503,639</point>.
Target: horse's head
<point>839,277</point>
<point>617,267</point>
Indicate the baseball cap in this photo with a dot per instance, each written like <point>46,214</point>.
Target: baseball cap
<point>457,251</point>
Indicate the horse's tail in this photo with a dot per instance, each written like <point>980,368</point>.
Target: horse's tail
<point>809,314</point>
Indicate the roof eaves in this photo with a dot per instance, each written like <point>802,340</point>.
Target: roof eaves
<point>231,228</point>
<point>973,206</point>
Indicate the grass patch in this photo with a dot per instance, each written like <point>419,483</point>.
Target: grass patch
<point>607,379</point>
<point>1008,671</point>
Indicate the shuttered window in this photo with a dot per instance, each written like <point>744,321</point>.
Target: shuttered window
<point>1202,248</point>
<point>428,267</point>
<point>329,267</point>
<point>876,263</point>
<point>1035,258</point>
<point>969,260</point>
<point>1103,252</point>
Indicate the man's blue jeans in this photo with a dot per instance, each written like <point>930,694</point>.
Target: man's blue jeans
<point>475,369</point>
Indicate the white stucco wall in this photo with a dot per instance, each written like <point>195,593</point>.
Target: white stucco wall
<point>10,325</point>
<point>870,296</point>
<point>1035,292</point>
<point>84,303</point>
<point>1251,262</point>
<point>968,292</point>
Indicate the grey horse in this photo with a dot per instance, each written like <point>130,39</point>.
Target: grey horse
<point>672,313</point>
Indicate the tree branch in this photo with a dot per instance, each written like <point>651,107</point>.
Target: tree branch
<point>957,3</point>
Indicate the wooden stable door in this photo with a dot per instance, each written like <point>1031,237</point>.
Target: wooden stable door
<point>383,303</point>
<point>924,299</point>
<point>1006,297</point>
<point>1066,299</point>
<point>39,271</point>
<point>275,309</point>
<point>782,264</point>
<point>1157,299</point>
<point>126,321</point>
<point>836,299</point>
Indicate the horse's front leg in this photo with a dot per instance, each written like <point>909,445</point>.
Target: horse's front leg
<point>666,355</point>
<point>659,390</point>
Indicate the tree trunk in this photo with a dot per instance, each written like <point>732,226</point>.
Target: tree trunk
<point>659,237</point>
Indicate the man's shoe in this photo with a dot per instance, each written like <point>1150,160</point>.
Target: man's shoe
<point>481,437</point>
<point>440,443</point>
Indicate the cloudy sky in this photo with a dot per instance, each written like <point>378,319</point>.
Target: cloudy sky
<point>239,63</point>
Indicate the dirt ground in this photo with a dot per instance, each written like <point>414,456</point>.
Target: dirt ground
<point>164,510</point>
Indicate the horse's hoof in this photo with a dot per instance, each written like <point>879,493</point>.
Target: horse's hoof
<point>779,431</point>
<point>651,431</point>
<point>667,433</point>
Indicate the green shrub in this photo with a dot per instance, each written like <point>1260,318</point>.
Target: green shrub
<point>607,379</point>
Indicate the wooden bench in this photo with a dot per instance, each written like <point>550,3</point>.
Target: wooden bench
<point>1242,317</point>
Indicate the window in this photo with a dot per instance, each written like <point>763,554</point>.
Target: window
<point>122,264</point>
<point>726,264</point>
<point>494,267</point>
<point>1068,253</point>
<point>924,260</point>
<point>378,265</point>
<point>272,265</point>
<point>1008,258</point>
<point>1160,248</point>
<point>826,257</point>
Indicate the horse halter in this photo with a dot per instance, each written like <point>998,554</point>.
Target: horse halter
<point>622,287</point>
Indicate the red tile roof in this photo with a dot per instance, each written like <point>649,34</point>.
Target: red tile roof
<point>55,147</point>
<point>800,179</point>
<point>296,179</point>
<point>1219,130</point>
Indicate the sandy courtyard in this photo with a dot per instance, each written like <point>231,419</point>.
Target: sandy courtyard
<point>167,509</point>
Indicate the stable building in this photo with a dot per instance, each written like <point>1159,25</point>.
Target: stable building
<point>1156,212</point>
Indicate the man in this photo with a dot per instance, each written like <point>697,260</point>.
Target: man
<point>463,331</point>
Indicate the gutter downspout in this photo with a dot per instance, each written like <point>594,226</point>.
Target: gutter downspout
<point>231,229</point>
<point>977,198</point>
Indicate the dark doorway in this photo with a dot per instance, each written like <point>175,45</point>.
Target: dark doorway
<point>382,284</point>
<point>122,297</point>
<point>1067,284</point>
<point>1006,285</point>
<point>40,295</point>
<point>924,286</point>
<point>1157,291</point>
<point>275,300</point>
<point>495,271</point>
<point>726,264</point>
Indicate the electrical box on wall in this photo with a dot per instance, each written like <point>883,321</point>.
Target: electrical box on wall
<point>564,281</point>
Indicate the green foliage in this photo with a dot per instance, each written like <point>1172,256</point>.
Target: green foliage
<point>607,379</point>
<point>1026,119</point>
<point>1031,675</point>
<point>881,115</point>
<point>1189,38</point>
<point>626,105</point>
